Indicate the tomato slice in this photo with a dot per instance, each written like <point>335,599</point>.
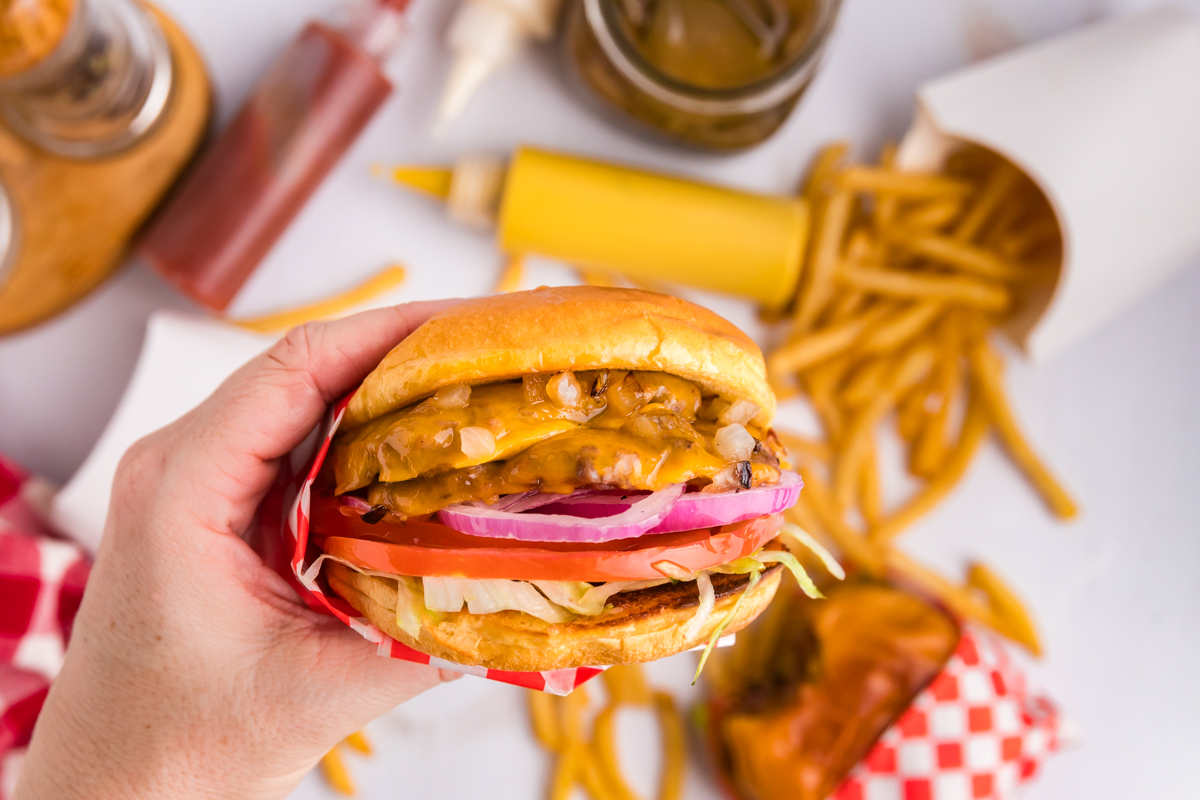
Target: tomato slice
<point>429,548</point>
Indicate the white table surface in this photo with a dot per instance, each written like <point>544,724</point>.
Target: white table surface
<point>1118,602</point>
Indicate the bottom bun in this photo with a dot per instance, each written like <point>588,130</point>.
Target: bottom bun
<point>640,626</point>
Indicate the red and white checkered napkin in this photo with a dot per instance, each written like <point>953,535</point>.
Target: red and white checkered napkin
<point>41,585</point>
<point>974,732</point>
<point>292,492</point>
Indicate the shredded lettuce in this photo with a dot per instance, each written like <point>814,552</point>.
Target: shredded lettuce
<point>712,642</point>
<point>740,567</point>
<point>708,600</point>
<point>792,563</point>
<point>791,531</point>
<point>487,596</point>
<point>573,595</point>
<point>583,598</point>
<point>673,571</point>
<point>409,607</point>
<point>443,594</point>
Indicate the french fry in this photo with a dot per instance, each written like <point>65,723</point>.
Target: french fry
<point>973,260</point>
<point>822,382</point>
<point>886,205</point>
<point>999,184</point>
<point>900,327</point>
<point>572,741</point>
<point>985,369</point>
<point>817,499</point>
<point>974,428</point>
<point>810,349</point>
<point>862,248</point>
<point>910,413</point>
<point>960,290</point>
<point>574,706</point>
<point>336,774</point>
<point>929,451</point>
<point>822,265</point>
<point>670,785</point>
<point>336,306</point>
<point>868,488</point>
<point>358,741</point>
<point>800,447</point>
<point>832,419</point>
<point>594,779</point>
<point>908,185</point>
<point>824,168</point>
<point>866,382</point>
<point>913,367</point>
<point>544,712</point>
<point>1005,604</point>
<point>511,275</point>
<point>1019,244</point>
<point>931,215</point>
<point>626,685</point>
<point>605,751</point>
<point>825,379</point>
<point>566,773</point>
<point>961,602</point>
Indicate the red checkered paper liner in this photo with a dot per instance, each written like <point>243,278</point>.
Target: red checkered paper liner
<point>41,585</point>
<point>293,492</point>
<point>974,732</point>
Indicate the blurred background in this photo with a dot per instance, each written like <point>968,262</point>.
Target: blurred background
<point>1113,593</point>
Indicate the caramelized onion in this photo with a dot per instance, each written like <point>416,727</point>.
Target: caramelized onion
<point>564,390</point>
<point>478,444</point>
<point>739,412</point>
<point>735,443</point>
<point>451,397</point>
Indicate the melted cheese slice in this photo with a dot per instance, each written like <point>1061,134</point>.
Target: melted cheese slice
<point>639,431</point>
<point>426,440</point>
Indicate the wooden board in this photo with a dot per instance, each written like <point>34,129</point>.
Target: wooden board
<point>74,217</point>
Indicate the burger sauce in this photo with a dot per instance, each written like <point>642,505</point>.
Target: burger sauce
<point>297,123</point>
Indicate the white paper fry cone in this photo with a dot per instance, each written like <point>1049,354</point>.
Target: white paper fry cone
<point>1107,122</point>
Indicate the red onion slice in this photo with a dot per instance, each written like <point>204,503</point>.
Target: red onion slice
<point>592,506</point>
<point>640,517</point>
<point>707,510</point>
<point>524,501</point>
<point>357,503</point>
<point>693,510</point>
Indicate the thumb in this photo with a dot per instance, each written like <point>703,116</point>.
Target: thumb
<point>230,441</point>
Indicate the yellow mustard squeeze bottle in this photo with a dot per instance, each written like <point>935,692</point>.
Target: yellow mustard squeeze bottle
<point>596,215</point>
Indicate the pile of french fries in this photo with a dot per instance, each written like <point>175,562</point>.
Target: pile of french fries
<point>560,725</point>
<point>906,275</point>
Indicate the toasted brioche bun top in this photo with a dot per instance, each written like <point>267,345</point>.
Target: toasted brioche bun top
<point>566,328</point>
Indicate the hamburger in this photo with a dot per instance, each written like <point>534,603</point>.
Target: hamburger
<point>558,478</point>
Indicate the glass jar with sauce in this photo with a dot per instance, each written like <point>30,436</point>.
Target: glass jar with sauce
<point>82,78</point>
<point>718,74</point>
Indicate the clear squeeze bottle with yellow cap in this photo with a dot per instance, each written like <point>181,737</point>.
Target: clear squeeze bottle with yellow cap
<point>602,216</point>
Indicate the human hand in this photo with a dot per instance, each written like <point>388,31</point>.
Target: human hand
<point>194,670</point>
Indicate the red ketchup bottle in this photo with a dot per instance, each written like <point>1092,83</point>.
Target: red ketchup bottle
<point>249,185</point>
